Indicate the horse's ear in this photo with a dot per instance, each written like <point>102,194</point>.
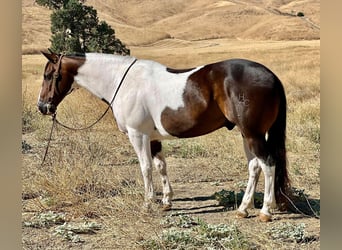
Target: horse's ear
<point>53,57</point>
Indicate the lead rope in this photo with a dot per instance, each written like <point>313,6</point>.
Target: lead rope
<point>48,144</point>
<point>315,215</point>
<point>55,121</point>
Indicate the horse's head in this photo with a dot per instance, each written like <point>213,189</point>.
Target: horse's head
<point>56,84</point>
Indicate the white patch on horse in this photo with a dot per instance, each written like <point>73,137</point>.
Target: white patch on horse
<point>146,91</point>
<point>166,91</point>
<point>99,73</point>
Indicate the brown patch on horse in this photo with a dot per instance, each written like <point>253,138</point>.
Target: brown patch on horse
<point>156,147</point>
<point>233,92</point>
<point>178,71</point>
<point>67,72</point>
<point>201,113</point>
<point>236,92</point>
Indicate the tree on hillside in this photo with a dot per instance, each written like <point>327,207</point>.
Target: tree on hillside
<point>76,28</point>
<point>55,4</point>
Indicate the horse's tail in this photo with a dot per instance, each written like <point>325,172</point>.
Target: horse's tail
<point>276,145</point>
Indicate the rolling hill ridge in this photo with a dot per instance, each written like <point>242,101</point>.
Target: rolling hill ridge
<point>141,22</point>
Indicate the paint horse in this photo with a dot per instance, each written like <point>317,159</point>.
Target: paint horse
<point>151,102</point>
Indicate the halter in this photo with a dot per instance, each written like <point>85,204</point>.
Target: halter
<point>56,75</point>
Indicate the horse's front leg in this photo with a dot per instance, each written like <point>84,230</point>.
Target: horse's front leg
<point>142,147</point>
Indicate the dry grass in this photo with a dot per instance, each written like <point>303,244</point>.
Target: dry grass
<point>93,175</point>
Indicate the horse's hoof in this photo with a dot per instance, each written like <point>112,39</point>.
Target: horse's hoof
<point>147,207</point>
<point>265,217</point>
<point>240,214</point>
<point>166,207</point>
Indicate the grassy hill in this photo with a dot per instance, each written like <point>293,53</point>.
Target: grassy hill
<point>141,22</point>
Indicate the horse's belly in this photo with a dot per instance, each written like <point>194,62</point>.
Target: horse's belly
<point>191,122</point>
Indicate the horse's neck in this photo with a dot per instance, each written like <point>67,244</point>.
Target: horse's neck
<point>101,73</point>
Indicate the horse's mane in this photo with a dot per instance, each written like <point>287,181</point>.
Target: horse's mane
<point>76,54</point>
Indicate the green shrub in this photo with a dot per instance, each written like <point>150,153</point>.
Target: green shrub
<point>188,233</point>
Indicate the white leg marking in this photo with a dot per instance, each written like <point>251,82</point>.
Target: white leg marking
<point>248,198</point>
<point>252,170</point>
<point>160,164</point>
<point>254,173</point>
<point>269,197</point>
<point>141,144</point>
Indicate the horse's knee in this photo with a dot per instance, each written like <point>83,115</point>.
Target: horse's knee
<point>160,165</point>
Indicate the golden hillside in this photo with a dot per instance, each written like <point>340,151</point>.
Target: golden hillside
<point>141,22</point>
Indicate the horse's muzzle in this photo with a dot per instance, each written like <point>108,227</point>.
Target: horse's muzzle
<point>46,108</point>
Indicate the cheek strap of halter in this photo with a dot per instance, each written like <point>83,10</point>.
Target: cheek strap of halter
<point>56,75</point>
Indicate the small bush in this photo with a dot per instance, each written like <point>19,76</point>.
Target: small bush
<point>230,199</point>
<point>70,231</point>
<point>288,232</point>
<point>46,220</point>
<point>188,233</point>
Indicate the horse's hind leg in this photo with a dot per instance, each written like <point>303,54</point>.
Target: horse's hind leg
<point>261,160</point>
<point>160,164</point>
<point>269,196</point>
<point>254,173</point>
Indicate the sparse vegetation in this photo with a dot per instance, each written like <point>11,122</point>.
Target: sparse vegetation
<point>197,234</point>
<point>29,117</point>
<point>45,220</point>
<point>68,231</point>
<point>185,150</point>
<point>71,231</point>
<point>288,232</point>
<point>232,200</point>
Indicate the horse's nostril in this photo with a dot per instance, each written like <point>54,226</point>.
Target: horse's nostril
<point>52,109</point>
<point>42,108</point>
<point>46,108</point>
